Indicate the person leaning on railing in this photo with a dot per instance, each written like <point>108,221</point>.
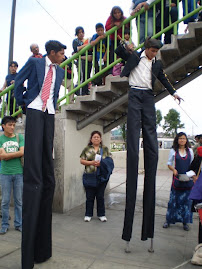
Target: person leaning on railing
<point>35,50</point>
<point>170,11</point>
<point>115,19</point>
<point>95,41</point>
<point>10,79</point>
<point>135,7</point>
<point>78,44</point>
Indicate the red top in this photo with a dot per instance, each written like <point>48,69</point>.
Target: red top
<point>37,56</point>
<point>109,25</point>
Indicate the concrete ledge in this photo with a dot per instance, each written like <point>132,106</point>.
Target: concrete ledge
<point>119,158</point>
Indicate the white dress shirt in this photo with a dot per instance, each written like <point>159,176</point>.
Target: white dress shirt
<point>141,75</point>
<point>37,103</point>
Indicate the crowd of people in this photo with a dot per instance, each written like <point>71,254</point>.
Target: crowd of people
<point>34,186</point>
<point>115,19</point>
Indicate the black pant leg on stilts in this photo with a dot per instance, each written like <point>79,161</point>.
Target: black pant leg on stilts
<point>33,184</point>
<point>150,145</point>
<point>133,134</point>
<point>43,241</point>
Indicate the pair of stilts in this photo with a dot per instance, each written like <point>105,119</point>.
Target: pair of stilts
<point>151,249</point>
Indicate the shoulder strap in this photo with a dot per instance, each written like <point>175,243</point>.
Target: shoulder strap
<point>101,152</point>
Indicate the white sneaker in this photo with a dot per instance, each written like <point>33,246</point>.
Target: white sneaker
<point>87,219</point>
<point>103,219</point>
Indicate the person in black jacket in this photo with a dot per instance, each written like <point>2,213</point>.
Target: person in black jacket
<point>142,69</point>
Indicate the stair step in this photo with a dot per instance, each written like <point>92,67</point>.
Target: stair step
<point>115,87</point>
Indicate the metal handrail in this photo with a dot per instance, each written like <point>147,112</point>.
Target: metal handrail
<point>85,50</point>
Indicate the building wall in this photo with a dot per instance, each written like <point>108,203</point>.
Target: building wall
<point>119,158</point>
<point>68,145</point>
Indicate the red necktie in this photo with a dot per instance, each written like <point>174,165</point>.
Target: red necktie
<point>46,87</point>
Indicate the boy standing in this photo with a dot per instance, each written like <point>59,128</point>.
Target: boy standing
<point>100,53</point>
<point>11,150</point>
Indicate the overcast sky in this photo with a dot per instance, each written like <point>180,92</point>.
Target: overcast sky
<point>34,25</point>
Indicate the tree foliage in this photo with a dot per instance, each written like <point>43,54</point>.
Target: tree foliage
<point>172,122</point>
<point>158,117</point>
<point>123,131</point>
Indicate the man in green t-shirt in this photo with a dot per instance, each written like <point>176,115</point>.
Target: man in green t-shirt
<point>11,151</point>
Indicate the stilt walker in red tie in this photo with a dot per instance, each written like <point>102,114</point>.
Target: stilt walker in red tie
<point>44,80</point>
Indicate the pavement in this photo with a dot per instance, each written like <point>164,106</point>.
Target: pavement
<point>97,245</point>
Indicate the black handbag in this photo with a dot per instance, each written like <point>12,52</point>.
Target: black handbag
<point>182,185</point>
<point>90,179</point>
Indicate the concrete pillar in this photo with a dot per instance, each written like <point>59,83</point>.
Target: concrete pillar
<point>68,145</point>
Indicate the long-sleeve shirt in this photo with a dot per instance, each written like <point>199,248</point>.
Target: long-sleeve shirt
<point>109,25</point>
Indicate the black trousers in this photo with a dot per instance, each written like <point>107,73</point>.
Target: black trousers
<point>84,90</point>
<point>38,189</point>
<point>91,194</point>
<point>141,114</point>
<point>173,12</point>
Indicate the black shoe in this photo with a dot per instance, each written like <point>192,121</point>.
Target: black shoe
<point>19,228</point>
<point>166,225</point>
<point>186,227</point>
<point>41,260</point>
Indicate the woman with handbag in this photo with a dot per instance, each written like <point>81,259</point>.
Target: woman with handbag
<point>179,205</point>
<point>91,157</point>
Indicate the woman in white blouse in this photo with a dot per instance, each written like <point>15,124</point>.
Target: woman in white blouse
<point>179,205</point>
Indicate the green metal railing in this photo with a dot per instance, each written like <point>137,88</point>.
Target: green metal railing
<point>103,69</point>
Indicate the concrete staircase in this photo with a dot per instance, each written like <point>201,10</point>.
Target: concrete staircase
<point>107,105</point>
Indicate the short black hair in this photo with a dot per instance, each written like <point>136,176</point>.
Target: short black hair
<point>127,31</point>
<point>54,45</point>
<point>197,136</point>
<point>78,29</point>
<point>7,119</point>
<point>152,43</point>
<point>99,25</point>
<point>13,62</point>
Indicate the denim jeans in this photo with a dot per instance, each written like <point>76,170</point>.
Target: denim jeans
<point>7,183</point>
<point>142,26</point>
<point>190,9</point>
<point>91,194</point>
